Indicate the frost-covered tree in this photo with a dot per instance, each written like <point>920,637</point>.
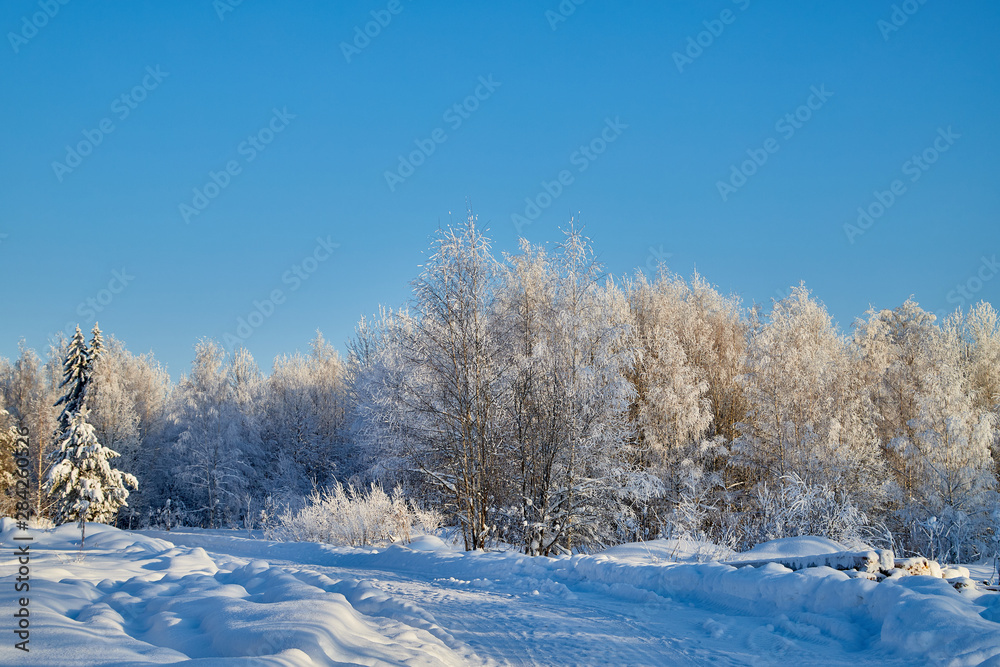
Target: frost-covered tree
<point>929,387</point>
<point>679,347</point>
<point>563,396</point>
<point>897,363</point>
<point>953,490</point>
<point>982,331</point>
<point>714,332</point>
<point>28,390</point>
<point>304,421</point>
<point>375,368</point>
<point>9,436</point>
<point>591,357</point>
<point>81,482</point>
<point>434,382</point>
<point>112,409</point>
<point>807,418</point>
<point>566,396</point>
<point>219,449</point>
<point>527,305</point>
<point>129,406</point>
<point>671,409</point>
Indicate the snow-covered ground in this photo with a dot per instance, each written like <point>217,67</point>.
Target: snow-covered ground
<point>222,598</point>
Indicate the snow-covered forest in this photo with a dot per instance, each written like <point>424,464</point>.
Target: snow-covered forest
<point>532,400</point>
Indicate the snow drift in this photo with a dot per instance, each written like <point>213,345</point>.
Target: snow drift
<point>138,599</point>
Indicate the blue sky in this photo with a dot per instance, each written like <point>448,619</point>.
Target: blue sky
<point>641,136</point>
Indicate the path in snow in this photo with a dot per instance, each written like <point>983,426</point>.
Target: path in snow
<point>517,618</point>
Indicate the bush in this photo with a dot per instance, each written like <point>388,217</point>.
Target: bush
<point>796,508</point>
<point>356,518</point>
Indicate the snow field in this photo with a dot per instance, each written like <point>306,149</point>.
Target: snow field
<point>133,599</point>
<point>220,598</point>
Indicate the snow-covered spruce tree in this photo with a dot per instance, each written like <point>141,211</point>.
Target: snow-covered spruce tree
<point>76,373</point>
<point>81,482</point>
<point>96,349</point>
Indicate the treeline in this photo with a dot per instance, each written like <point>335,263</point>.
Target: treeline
<point>214,450</point>
<point>535,401</point>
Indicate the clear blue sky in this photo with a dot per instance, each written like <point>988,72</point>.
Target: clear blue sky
<point>655,187</point>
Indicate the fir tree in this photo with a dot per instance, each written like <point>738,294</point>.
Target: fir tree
<point>82,482</point>
<point>76,372</point>
<point>96,349</point>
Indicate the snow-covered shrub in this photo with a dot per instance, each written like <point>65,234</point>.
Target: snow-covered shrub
<point>696,519</point>
<point>353,517</point>
<point>694,507</point>
<point>793,508</point>
<point>951,535</point>
<point>168,516</point>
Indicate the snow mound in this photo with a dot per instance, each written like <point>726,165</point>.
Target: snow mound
<point>668,551</point>
<point>133,599</point>
<point>792,547</point>
<point>428,543</point>
<point>99,536</point>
